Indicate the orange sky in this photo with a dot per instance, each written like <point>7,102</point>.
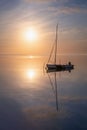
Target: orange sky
<point>17,17</point>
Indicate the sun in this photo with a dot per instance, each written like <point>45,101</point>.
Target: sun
<point>31,35</point>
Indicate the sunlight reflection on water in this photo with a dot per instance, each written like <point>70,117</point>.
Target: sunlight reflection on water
<point>31,74</point>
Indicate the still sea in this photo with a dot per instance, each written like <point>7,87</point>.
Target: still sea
<point>32,99</point>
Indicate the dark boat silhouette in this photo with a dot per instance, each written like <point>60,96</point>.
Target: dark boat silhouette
<point>54,66</point>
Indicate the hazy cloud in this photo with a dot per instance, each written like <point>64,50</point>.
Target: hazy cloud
<point>67,10</point>
<point>69,3</point>
<point>6,5</point>
<point>76,3</point>
<point>39,0</point>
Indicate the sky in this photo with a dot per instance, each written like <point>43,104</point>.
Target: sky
<point>43,15</point>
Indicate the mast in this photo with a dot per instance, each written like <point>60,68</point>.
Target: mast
<point>56,43</point>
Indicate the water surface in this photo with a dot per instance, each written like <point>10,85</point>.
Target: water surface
<point>29,99</point>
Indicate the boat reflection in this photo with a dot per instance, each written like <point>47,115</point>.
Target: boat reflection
<point>54,82</point>
<point>54,87</point>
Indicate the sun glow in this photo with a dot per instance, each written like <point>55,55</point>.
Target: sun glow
<point>31,74</point>
<point>31,35</point>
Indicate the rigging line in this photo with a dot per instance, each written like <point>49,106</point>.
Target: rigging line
<point>56,43</point>
<point>51,53</point>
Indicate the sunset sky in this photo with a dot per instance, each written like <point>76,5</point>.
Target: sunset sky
<point>17,17</point>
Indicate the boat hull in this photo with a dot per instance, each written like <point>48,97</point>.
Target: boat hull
<point>59,67</point>
<point>51,66</point>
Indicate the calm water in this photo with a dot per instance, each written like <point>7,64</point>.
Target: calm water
<point>29,99</point>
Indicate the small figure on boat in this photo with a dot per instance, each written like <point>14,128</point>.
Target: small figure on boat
<point>69,63</point>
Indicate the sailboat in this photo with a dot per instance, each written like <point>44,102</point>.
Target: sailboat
<point>54,66</point>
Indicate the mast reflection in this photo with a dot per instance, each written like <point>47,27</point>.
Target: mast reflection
<point>54,84</point>
<point>54,88</point>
